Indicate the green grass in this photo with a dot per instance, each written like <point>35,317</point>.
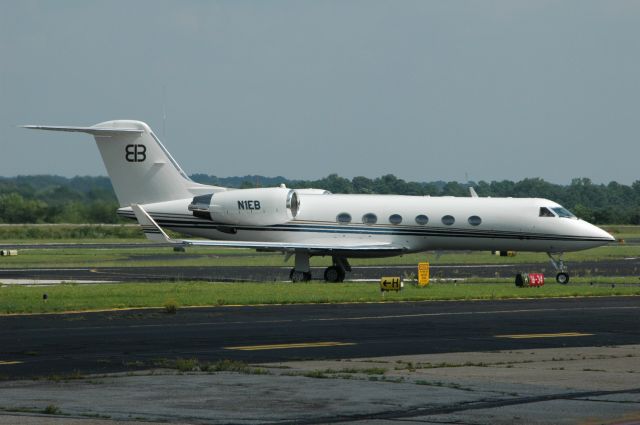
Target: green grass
<point>130,257</point>
<point>73,297</point>
<point>18,233</point>
<point>203,256</point>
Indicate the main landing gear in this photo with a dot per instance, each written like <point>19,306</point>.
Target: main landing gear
<point>563,276</point>
<point>338,271</point>
<point>297,276</point>
<point>302,271</point>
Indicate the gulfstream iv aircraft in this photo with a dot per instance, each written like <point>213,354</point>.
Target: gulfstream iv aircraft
<point>152,188</point>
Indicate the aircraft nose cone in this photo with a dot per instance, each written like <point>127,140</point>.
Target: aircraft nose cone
<point>611,238</point>
<point>601,234</point>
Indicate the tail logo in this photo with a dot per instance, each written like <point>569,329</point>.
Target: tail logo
<point>135,153</point>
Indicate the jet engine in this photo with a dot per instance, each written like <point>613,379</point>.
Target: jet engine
<point>262,207</point>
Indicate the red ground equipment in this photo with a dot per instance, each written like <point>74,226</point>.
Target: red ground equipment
<point>529,279</point>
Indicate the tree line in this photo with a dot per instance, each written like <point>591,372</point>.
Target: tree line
<point>55,199</point>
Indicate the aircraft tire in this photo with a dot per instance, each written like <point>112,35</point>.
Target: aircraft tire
<point>296,276</point>
<point>562,278</point>
<point>332,274</point>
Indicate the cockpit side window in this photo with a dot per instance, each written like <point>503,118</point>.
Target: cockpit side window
<point>563,212</point>
<point>545,212</point>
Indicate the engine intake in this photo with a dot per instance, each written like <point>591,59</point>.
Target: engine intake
<point>200,206</point>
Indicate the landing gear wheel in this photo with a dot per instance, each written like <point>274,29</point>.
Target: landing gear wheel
<point>331,274</point>
<point>562,278</point>
<point>297,276</point>
<point>334,274</point>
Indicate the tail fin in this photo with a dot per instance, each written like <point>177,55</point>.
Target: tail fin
<point>142,171</point>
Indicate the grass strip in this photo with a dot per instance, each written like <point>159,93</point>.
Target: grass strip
<point>18,232</point>
<point>77,297</point>
<point>202,256</point>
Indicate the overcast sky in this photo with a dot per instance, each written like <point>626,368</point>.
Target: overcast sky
<point>425,90</point>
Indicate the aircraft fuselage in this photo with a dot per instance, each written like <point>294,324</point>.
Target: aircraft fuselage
<point>418,223</point>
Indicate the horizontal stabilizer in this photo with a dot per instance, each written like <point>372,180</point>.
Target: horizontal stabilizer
<point>155,233</point>
<point>96,131</point>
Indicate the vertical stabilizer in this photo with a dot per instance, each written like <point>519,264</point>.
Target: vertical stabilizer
<point>142,171</point>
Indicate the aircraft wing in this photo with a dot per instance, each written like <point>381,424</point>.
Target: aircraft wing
<point>155,233</point>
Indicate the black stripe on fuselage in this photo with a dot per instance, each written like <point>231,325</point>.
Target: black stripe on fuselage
<point>181,221</point>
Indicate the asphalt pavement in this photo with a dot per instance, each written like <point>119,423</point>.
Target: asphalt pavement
<point>40,345</point>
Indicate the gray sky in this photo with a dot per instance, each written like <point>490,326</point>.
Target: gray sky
<point>425,90</point>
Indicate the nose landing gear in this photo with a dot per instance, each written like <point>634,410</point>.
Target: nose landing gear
<point>563,276</point>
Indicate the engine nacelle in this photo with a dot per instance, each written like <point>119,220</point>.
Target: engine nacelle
<point>263,206</point>
<point>312,191</point>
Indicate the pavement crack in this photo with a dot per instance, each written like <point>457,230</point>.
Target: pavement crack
<point>460,407</point>
<point>597,400</point>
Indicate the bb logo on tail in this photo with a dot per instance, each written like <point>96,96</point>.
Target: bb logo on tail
<point>136,153</point>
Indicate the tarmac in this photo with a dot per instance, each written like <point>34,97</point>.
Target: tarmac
<point>450,272</point>
<point>579,385</point>
<point>42,345</point>
<point>547,361</point>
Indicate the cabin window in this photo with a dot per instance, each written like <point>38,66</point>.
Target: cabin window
<point>395,219</point>
<point>448,220</point>
<point>545,212</point>
<point>343,218</point>
<point>369,218</point>
<point>422,219</point>
<point>563,212</point>
<point>474,220</point>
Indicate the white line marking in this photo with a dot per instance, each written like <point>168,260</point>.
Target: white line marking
<point>44,270</point>
<point>50,281</point>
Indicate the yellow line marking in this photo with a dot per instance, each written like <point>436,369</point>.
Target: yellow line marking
<point>293,345</point>
<point>553,335</point>
<point>8,362</point>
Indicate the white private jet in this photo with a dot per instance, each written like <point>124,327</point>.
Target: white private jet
<point>151,186</point>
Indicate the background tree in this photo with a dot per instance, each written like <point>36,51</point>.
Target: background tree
<point>83,199</point>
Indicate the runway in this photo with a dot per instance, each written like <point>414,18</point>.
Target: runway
<point>622,267</point>
<point>42,345</point>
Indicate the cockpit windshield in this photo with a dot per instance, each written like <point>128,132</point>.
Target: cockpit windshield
<point>556,212</point>
<point>563,212</point>
<point>546,212</point>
